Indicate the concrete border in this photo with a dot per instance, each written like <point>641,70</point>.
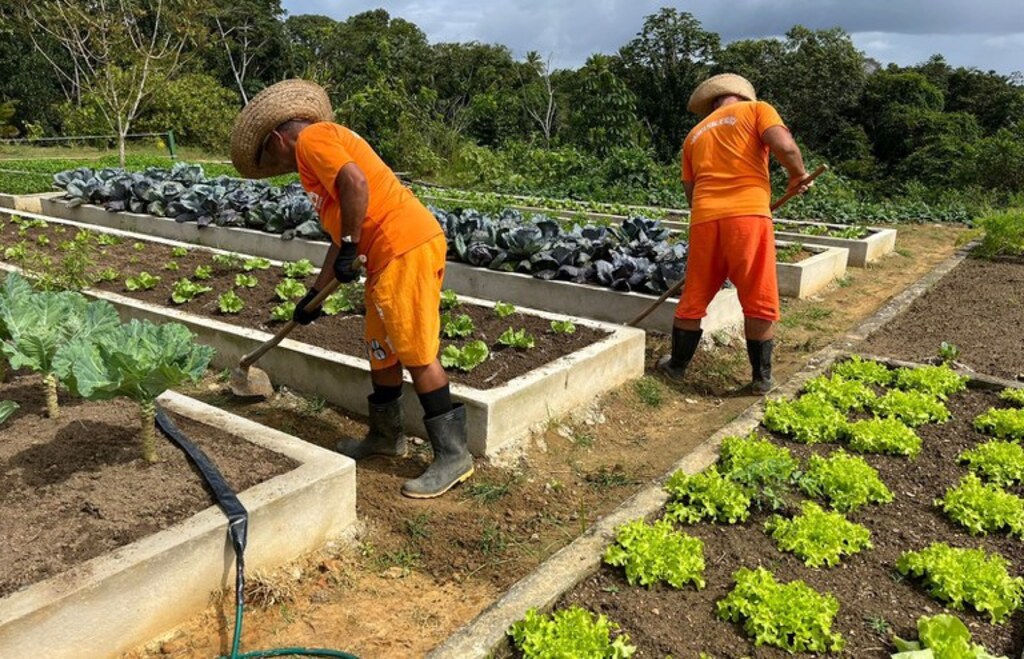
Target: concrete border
<point>497,418</point>
<point>863,251</point>
<point>485,635</point>
<point>29,203</point>
<point>812,275</point>
<point>119,600</point>
<point>582,301</point>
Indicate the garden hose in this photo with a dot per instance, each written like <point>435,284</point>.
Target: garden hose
<point>238,526</point>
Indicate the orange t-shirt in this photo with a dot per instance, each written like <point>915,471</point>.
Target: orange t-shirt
<point>395,222</point>
<point>725,159</point>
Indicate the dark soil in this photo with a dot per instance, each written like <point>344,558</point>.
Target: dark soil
<point>875,602</point>
<point>74,488</point>
<point>342,333</point>
<point>979,307</point>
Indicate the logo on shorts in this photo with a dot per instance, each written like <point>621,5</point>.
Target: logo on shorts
<point>376,350</point>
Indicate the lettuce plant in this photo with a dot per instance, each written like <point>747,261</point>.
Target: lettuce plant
<point>941,637</point>
<point>503,310</point>
<point>449,300</point>
<point>1004,424</point>
<point>230,303</point>
<point>572,632</point>
<point>283,312</point>
<point>179,252</point>
<point>347,299</point>
<point>456,327</point>
<point>231,261</point>
<point>289,289</point>
<point>999,462</point>
<point>888,436</point>
<point>760,466</point>
<point>255,264</point>
<point>299,269</point>
<point>652,553</point>
<point>846,481</point>
<point>983,509</point>
<point>810,419</point>
<point>563,327</point>
<point>186,291</point>
<point>141,282</point>
<point>108,275</point>
<point>707,495</point>
<point>844,395</point>
<point>1013,396</point>
<point>864,370</point>
<point>172,266</point>
<point>466,358</point>
<point>139,361</point>
<point>203,272</point>
<point>7,408</point>
<point>938,381</point>
<point>818,537</point>
<point>517,338</point>
<point>962,577</point>
<point>914,408</point>
<point>792,616</point>
<point>246,281</point>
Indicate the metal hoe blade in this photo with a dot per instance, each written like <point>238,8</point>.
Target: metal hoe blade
<point>251,382</point>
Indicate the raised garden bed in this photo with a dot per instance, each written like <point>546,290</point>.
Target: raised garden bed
<point>865,244</point>
<point>506,395</point>
<point>102,552</point>
<point>815,267</point>
<point>30,203</point>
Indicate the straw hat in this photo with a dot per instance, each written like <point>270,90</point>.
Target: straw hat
<point>288,99</point>
<point>721,85</point>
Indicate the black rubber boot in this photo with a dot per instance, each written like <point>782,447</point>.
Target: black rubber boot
<point>452,462</point>
<point>684,347</point>
<point>385,436</point>
<point>760,354</point>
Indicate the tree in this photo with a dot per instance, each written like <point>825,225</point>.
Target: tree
<point>603,114</point>
<point>539,96</point>
<point>119,50</point>
<point>248,30</point>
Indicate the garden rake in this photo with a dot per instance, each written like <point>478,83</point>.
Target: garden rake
<point>248,381</point>
<point>678,286</point>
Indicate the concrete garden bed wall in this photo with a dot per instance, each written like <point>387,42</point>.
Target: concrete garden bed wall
<point>29,203</point>
<point>120,600</point>
<point>863,251</point>
<point>810,276</point>
<point>578,300</point>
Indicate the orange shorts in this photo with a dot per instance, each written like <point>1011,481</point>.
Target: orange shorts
<point>403,301</point>
<point>740,249</point>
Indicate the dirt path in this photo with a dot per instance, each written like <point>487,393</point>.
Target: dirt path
<point>421,570</point>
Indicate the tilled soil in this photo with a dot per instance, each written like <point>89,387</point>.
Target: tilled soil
<point>342,333</point>
<point>875,601</point>
<point>76,487</point>
<point>979,307</point>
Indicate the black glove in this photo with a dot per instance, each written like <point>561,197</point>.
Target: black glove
<point>304,316</point>
<point>343,270</point>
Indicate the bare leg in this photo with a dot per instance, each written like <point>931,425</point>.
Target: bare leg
<point>757,329</point>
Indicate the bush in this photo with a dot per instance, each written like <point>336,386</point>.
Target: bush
<point>196,107</point>
<point>1004,234</point>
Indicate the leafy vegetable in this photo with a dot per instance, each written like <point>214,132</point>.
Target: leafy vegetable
<point>963,577</point>
<point>1005,424</point>
<point>449,300</point>
<point>516,338</point>
<point>108,240</point>
<point>563,327</point>
<point>944,637</point>
<point>229,261</point>
<point>914,408</point>
<point>255,264</point>
<point>139,247</point>
<point>819,537</point>
<point>572,632</point>
<point>503,310</point>
<point>1013,396</point>
<point>246,281</point>
<point>7,408</point>
<point>185,291</point>
<point>178,252</point>
<point>939,381</point>
<point>466,358</point>
<point>108,274</point>
<point>299,269</point>
<point>1000,462</point>
<point>457,327</point>
<point>864,370</point>
<point>759,465</point>
<point>846,481</point>
<point>656,552</point>
<point>890,436</point>
<point>844,395</point>
<point>230,303</point>
<point>172,266</point>
<point>141,282</point>
<point>17,252</point>
<point>948,353</point>
<point>283,312</point>
<point>792,616</point>
<point>983,509</point>
<point>203,272</point>
<point>810,419</point>
<point>289,289</point>
<point>138,361</point>
<point>347,299</point>
<point>707,495</point>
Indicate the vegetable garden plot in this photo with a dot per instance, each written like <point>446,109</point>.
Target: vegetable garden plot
<point>891,513</point>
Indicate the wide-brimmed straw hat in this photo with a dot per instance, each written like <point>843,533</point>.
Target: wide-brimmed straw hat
<point>281,102</point>
<point>724,84</point>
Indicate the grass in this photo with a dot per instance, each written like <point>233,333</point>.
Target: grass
<point>809,317</point>
<point>605,478</point>
<point>493,540</point>
<point>650,391</point>
<point>313,405</point>
<point>418,527</point>
<point>488,491</point>
<point>582,439</point>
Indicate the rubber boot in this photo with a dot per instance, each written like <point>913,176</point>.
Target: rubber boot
<point>385,436</point>
<point>760,354</point>
<point>684,347</point>
<point>452,462</point>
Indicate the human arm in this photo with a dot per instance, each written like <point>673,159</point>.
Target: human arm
<point>354,198</point>
<point>787,152</point>
<point>688,188</point>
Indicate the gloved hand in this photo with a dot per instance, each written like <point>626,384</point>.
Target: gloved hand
<point>304,316</point>
<point>343,266</point>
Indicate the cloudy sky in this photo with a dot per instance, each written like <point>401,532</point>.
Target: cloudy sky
<point>988,34</point>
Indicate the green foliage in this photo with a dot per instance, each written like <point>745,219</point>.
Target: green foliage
<point>283,312</point>
<point>999,462</point>
<point>760,466</point>
<point>943,637</point>
<point>230,303</point>
<point>141,282</point>
<point>185,291</point>
<point>7,408</point>
<point>1004,424</point>
<point>652,553</point>
<point>572,632</point>
<point>449,300</point>
<point>948,352</point>
<point>864,370</point>
<point>347,299</point>
<point>1013,396</point>
<point>203,272</point>
<point>1004,234</point>
<point>650,391</point>
<point>983,509</point>
<point>289,289</point>
<point>792,616</point>
<point>251,264</point>
<point>846,481</point>
<point>233,262</point>
<point>246,281</point>
<point>196,107</point>
<point>172,266</point>
<point>139,247</point>
<point>914,408</point>
<point>888,436</point>
<point>466,358</point>
<point>179,252</point>
<point>299,269</point>
<point>819,537</point>
<point>517,338</point>
<point>707,495</point>
<point>563,327</point>
<point>503,310</point>
<point>789,253</point>
<point>809,419</point>
<point>938,381</point>
<point>109,239</point>
<point>844,395</point>
<point>963,577</point>
<point>459,326</point>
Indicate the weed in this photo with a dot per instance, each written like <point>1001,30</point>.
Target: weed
<point>904,252</point>
<point>582,439</point>
<point>488,491</point>
<point>264,590</point>
<point>649,391</point>
<point>605,478</point>
<point>405,557</point>
<point>313,405</point>
<point>493,540</point>
<point>879,625</point>
<point>418,527</point>
<point>844,282</point>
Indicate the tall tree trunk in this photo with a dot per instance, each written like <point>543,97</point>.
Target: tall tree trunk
<point>147,415</point>
<point>52,409</point>
<point>120,144</point>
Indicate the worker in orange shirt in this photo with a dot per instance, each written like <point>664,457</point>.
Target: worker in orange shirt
<point>367,212</point>
<point>725,175</point>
